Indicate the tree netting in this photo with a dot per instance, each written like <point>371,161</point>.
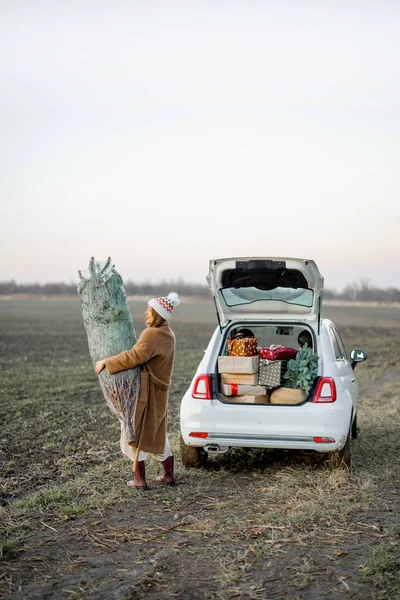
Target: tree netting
<point>110,330</point>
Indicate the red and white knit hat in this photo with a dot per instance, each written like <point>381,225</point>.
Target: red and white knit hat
<point>165,305</point>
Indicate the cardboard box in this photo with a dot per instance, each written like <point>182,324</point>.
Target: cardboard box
<point>270,372</point>
<point>246,378</point>
<point>248,399</point>
<point>238,364</point>
<point>236,389</point>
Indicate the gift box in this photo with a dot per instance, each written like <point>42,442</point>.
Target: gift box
<point>238,364</point>
<point>236,389</point>
<point>248,399</point>
<point>242,346</point>
<point>278,353</point>
<point>270,372</point>
<point>246,378</point>
<point>284,395</point>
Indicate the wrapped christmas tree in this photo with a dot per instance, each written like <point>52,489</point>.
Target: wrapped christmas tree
<point>110,330</point>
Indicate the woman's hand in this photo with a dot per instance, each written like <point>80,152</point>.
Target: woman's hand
<point>100,366</point>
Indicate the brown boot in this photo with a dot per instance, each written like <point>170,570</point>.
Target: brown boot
<point>168,477</point>
<point>139,477</point>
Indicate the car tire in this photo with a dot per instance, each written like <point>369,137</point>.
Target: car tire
<point>341,457</point>
<point>192,456</point>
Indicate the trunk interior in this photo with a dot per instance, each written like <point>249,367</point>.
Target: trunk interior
<point>261,381</point>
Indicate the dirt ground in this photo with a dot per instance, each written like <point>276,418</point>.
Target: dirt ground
<point>253,524</point>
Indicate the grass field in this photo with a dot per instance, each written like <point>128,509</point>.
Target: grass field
<point>253,525</point>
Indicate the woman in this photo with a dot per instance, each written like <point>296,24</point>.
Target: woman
<point>155,352</point>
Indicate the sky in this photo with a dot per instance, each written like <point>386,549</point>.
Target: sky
<point>165,134</point>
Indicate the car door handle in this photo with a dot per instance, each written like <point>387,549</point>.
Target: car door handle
<point>352,380</point>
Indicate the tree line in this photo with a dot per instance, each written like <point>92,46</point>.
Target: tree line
<point>356,291</point>
<point>364,291</point>
<point>131,288</point>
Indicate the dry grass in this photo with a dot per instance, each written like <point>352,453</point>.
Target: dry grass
<point>253,524</point>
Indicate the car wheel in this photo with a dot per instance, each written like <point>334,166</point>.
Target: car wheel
<point>354,428</point>
<point>341,457</point>
<point>192,456</point>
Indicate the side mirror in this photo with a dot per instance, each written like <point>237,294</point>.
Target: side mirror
<point>357,356</point>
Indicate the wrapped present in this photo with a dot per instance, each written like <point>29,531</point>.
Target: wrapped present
<point>284,395</point>
<point>278,353</point>
<point>270,372</point>
<point>248,399</point>
<point>242,346</point>
<point>238,364</point>
<point>236,389</point>
<point>245,378</point>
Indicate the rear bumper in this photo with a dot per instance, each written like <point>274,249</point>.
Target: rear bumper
<point>284,442</point>
<point>269,426</point>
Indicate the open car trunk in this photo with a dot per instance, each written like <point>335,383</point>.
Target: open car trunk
<point>256,380</point>
<point>278,298</point>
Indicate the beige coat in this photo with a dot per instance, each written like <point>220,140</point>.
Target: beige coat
<point>155,352</point>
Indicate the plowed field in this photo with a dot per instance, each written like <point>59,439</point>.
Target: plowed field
<point>257,524</point>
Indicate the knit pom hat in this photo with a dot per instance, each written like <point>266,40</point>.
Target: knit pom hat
<point>165,305</point>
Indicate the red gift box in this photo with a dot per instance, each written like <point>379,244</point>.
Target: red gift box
<point>278,353</point>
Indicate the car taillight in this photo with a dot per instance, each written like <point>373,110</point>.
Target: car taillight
<point>325,390</point>
<point>202,388</point>
<point>324,440</point>
<point>198,434</point>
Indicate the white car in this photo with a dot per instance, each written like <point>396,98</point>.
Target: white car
<point>278,299</point>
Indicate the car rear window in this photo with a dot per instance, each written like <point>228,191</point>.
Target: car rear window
<point>248,295</point>
<point>338,346</point>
